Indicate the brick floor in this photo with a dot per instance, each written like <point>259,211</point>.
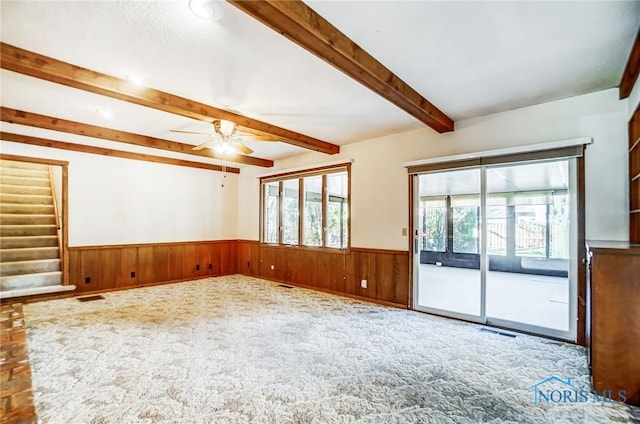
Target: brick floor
<point>16,394</point>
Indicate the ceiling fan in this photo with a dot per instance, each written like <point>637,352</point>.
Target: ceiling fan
<point>226,138</point>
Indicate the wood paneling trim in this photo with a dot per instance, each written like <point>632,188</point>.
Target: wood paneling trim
<point>15,116</point>
<point>310,172</point>
<point>170,243</point>
<point>631,71</point>
<point>382,251</point>
<point>34,160</point>
<point>47,68</point>
<point>302,25</point>
<point>54,144</point>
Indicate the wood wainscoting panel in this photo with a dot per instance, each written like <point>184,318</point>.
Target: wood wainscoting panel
<point>385,276</point>
<point>204,260</point>
<point>161,260</point>
<point>215,260</point>
<point>248,259</point>
<point>104,268</point>
<point>338,275</point>
<point>146,264</point>
<point>110,273</point>
<point>402,276</point>
<point>176,262</point>
<point>334,271</point>
<point>128,275</point>
<point>89,275</point>
<point>228,258</point>
<point>190,261</point>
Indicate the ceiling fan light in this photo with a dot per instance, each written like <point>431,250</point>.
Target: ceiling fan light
<point>224,148</point>
<point>226,127</point>
<point>210,10</point>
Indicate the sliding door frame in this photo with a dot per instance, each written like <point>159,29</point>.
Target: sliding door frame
<point>577,306</point>
<point>415,250</point>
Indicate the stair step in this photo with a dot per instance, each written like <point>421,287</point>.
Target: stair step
<point>18,219</point>
<point>29,254</point>
<point>27,230</point>
<point>5,163</point>
<point>15,209</point>
<point>29,173</point>
<point>22,189</point>
<point>25,242</point>
<point>26,199</point>
<point>31,291</point>
<point>24,181</point>
<point>29,267</point>
<point>43,279</point>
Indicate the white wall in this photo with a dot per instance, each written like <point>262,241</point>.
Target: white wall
<point>380,185</point>
<point>122,201</point>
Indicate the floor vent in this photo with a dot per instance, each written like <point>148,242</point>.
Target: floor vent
<point>284,286</point>
<point>90,298</point>
<point>489,330</point>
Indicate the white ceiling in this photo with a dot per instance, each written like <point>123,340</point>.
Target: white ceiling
<point>468,58</point>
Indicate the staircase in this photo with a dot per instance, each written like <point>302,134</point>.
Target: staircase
<point>29,250</point>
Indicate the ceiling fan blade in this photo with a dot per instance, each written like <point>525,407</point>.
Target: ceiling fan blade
<point>241,147</point>
<point>203,145</point>
<point>190,132</point>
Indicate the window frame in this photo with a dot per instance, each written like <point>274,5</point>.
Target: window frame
<point>323,172</point>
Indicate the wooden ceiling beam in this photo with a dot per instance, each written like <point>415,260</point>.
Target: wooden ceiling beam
<point>302,25</point>
<point>83,148</point>
<point>631,71</point>
<point>14,116</point>
<point>38,66</point>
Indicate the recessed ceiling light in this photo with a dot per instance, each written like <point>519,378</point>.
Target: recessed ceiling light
<point>135,79</point>
<point>210,10</point>
<point>105,113</point>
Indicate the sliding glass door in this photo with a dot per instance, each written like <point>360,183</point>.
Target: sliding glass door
<point>529,234</point>
<point>448,241</point>
<point>494,244</point>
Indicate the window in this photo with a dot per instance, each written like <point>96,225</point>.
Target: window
<point>272,211</point>
<point>337,216</point>
<point>307,209</point>
<point>290,219</point>
<point>313,211</point>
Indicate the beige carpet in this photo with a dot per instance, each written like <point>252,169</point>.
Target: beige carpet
<point>243,350</point>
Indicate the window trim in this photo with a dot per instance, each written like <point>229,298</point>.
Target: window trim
<point>324,172</point>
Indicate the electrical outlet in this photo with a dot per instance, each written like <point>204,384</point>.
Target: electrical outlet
<point>404,232</point>
<point>363,284</point>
